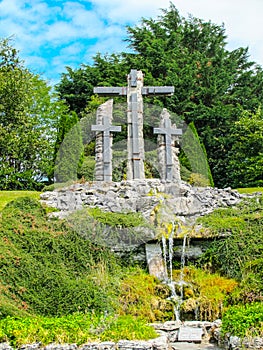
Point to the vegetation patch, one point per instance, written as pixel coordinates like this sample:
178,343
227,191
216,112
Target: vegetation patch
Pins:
8,196
77,328
204,293
244,320
128,219
128,327
250,190
144,296
47,268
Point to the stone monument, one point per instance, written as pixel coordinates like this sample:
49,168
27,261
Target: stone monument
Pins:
168,162
135,142
103,149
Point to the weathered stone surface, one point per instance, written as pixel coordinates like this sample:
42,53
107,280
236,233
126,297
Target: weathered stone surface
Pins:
160,343
141,196
103,149
55,346
32,346
155,199
168,149
98,346
5,346
167,326
155,262
135,141
235,343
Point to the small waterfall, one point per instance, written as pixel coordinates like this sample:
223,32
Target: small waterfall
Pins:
170,248
181,280
168,263
164,252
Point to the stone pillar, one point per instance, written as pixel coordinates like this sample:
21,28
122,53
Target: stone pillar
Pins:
135,141
103,149
99,167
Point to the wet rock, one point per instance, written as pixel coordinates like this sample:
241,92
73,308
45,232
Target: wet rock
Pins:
5,346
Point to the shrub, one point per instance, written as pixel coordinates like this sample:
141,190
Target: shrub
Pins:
48,268
128,327
143,296
244,320
240,229
199,180
87,169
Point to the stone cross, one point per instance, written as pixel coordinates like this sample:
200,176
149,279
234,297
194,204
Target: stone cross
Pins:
168,159
103,148
135,142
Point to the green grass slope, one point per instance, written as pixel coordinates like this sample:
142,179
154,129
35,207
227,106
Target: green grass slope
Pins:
8,196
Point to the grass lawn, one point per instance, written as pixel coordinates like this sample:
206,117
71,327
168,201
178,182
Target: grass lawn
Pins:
8,196
250,190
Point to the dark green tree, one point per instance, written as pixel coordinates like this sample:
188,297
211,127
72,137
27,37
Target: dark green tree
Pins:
245,167
213,86
69,156
28,123
76,87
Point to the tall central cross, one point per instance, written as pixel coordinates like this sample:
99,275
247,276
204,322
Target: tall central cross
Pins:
135,92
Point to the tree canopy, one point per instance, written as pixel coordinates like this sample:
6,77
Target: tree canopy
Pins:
28,123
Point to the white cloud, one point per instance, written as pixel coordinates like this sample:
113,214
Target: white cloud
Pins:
242,20
128,11
53,33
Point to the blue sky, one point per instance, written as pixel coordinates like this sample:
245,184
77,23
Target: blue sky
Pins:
52,34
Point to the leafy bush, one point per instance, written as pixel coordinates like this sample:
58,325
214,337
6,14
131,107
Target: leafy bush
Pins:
244,320
198,180
241,239
49,269
87,169
77,328
128,327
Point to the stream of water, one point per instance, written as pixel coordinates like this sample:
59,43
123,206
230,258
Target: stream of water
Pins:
177,299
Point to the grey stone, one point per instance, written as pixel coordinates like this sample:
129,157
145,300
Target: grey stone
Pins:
134,345
160,343
167,326
103,149
5,346
155,261
190,334
234,342
143,196
32,346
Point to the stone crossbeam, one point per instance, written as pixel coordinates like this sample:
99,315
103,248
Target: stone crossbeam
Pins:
146,90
